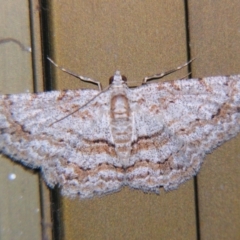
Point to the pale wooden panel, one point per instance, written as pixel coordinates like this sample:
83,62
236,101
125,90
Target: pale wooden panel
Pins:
215,38
94,38
20,213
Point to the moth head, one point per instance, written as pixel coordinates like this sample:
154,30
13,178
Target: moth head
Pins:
117,78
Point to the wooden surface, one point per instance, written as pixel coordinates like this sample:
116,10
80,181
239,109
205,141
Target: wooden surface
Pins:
23,208
139,38
215,41
94,38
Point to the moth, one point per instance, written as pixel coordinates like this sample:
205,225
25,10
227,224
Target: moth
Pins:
91,142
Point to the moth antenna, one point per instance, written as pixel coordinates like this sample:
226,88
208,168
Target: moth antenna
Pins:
161,75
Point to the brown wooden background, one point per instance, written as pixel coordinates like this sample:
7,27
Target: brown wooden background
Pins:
94,38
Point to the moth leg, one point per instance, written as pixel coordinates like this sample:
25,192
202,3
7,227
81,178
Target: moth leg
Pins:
161,75
23,47
85,79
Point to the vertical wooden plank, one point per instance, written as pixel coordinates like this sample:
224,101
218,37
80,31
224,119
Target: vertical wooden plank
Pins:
36,11
94,38
20,213
215,38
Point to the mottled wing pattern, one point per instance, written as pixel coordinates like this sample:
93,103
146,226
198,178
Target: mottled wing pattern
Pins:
173,125
177,123
75,152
